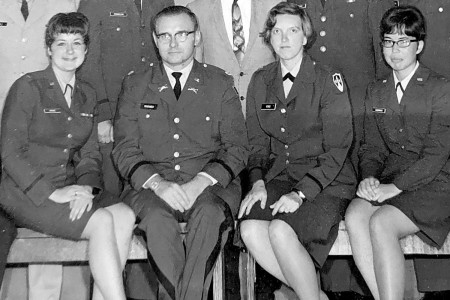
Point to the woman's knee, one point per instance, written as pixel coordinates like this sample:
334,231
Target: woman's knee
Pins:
249,230
357,216
122,214
280,231
101,222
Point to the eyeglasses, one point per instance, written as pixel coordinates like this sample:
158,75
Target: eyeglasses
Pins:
400,43
180,36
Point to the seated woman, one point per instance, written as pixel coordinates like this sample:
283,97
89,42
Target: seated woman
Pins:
300,130
404,159
51,180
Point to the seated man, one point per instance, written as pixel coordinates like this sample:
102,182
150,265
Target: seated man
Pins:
181,142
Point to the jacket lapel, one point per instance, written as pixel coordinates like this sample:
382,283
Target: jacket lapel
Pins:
414,89
254,30
274,83
54,94
37,11
193,87
221,29
11,9
302,87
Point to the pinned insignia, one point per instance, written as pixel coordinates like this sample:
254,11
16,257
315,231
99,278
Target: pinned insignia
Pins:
122,14
131,72
384,80
86,115
162,88
52,110
205,65
350,1
302,5
337,80
379,110
228,73
151,64
235,89
268,106
420,79
151,106
193,89
51,83
196,79
2,24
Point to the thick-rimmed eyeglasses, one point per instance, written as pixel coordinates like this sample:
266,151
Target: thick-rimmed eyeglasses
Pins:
400,43
180,36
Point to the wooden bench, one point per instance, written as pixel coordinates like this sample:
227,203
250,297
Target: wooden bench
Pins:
412,245
31,247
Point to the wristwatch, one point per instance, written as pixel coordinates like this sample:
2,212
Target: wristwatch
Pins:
154,183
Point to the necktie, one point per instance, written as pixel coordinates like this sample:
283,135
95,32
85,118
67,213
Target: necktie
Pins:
24,9
289,76
238,31
177,87
68,94
138,5
399,90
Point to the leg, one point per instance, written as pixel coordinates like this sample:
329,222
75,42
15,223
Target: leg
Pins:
387,226
209,223
357,223
292,257
255,234
104,259
44,281
8,233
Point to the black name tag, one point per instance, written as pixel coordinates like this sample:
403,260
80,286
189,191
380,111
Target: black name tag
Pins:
379,110
3,24
268,106
149,106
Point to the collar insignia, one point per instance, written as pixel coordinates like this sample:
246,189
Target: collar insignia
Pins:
162,88
193,89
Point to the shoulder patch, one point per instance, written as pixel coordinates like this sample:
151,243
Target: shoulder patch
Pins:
338,82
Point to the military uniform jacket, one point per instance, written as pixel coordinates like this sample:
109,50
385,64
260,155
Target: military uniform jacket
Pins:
306,135
435,55
45,144
204,131
121,41
408,144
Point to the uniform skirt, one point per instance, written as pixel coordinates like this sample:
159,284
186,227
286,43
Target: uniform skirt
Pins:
429,208
316,222
49,217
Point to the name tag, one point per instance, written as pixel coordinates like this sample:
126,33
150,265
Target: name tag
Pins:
122,14
268,106
379,110
86,115
149,106
52,110
3,24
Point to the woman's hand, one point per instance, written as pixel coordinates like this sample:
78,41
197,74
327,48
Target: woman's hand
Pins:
368,189
80,198
258,193
288,203
386,191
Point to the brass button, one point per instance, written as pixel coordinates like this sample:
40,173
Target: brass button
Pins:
176,136
177,167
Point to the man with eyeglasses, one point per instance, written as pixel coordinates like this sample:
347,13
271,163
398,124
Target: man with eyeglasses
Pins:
181,142
432,273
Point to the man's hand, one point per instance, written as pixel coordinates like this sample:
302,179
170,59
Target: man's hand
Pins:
367,189
195,187
173,195
287,203
105,132
387,191
257,193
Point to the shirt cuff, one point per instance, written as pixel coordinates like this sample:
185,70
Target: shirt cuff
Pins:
214,181
151,177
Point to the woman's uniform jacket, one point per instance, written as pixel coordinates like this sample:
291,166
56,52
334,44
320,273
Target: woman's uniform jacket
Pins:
202,131
45,144
408,144
306,135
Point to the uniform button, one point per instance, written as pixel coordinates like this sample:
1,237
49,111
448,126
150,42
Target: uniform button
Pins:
23,57
242,98
287,153
147,116
176,120
323,18
177,167
69,135
207,118
62,166
403,147
69,118
323,48
441,9
400,130
143,59
287,161
143,43
283,110
352,15
118,28
282,129
66,150
176,154
323,33
24,40
241,74
176,136
286,146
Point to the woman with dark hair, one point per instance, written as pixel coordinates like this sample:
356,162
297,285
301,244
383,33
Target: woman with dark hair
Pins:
404,159
300,130
51,180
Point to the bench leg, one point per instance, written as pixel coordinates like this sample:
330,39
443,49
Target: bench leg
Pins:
218,278
247,276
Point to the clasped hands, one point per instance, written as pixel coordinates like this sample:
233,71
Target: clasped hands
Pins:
287,203
182,197
79,196
372,190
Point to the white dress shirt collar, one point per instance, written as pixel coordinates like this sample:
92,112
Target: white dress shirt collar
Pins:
184,74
